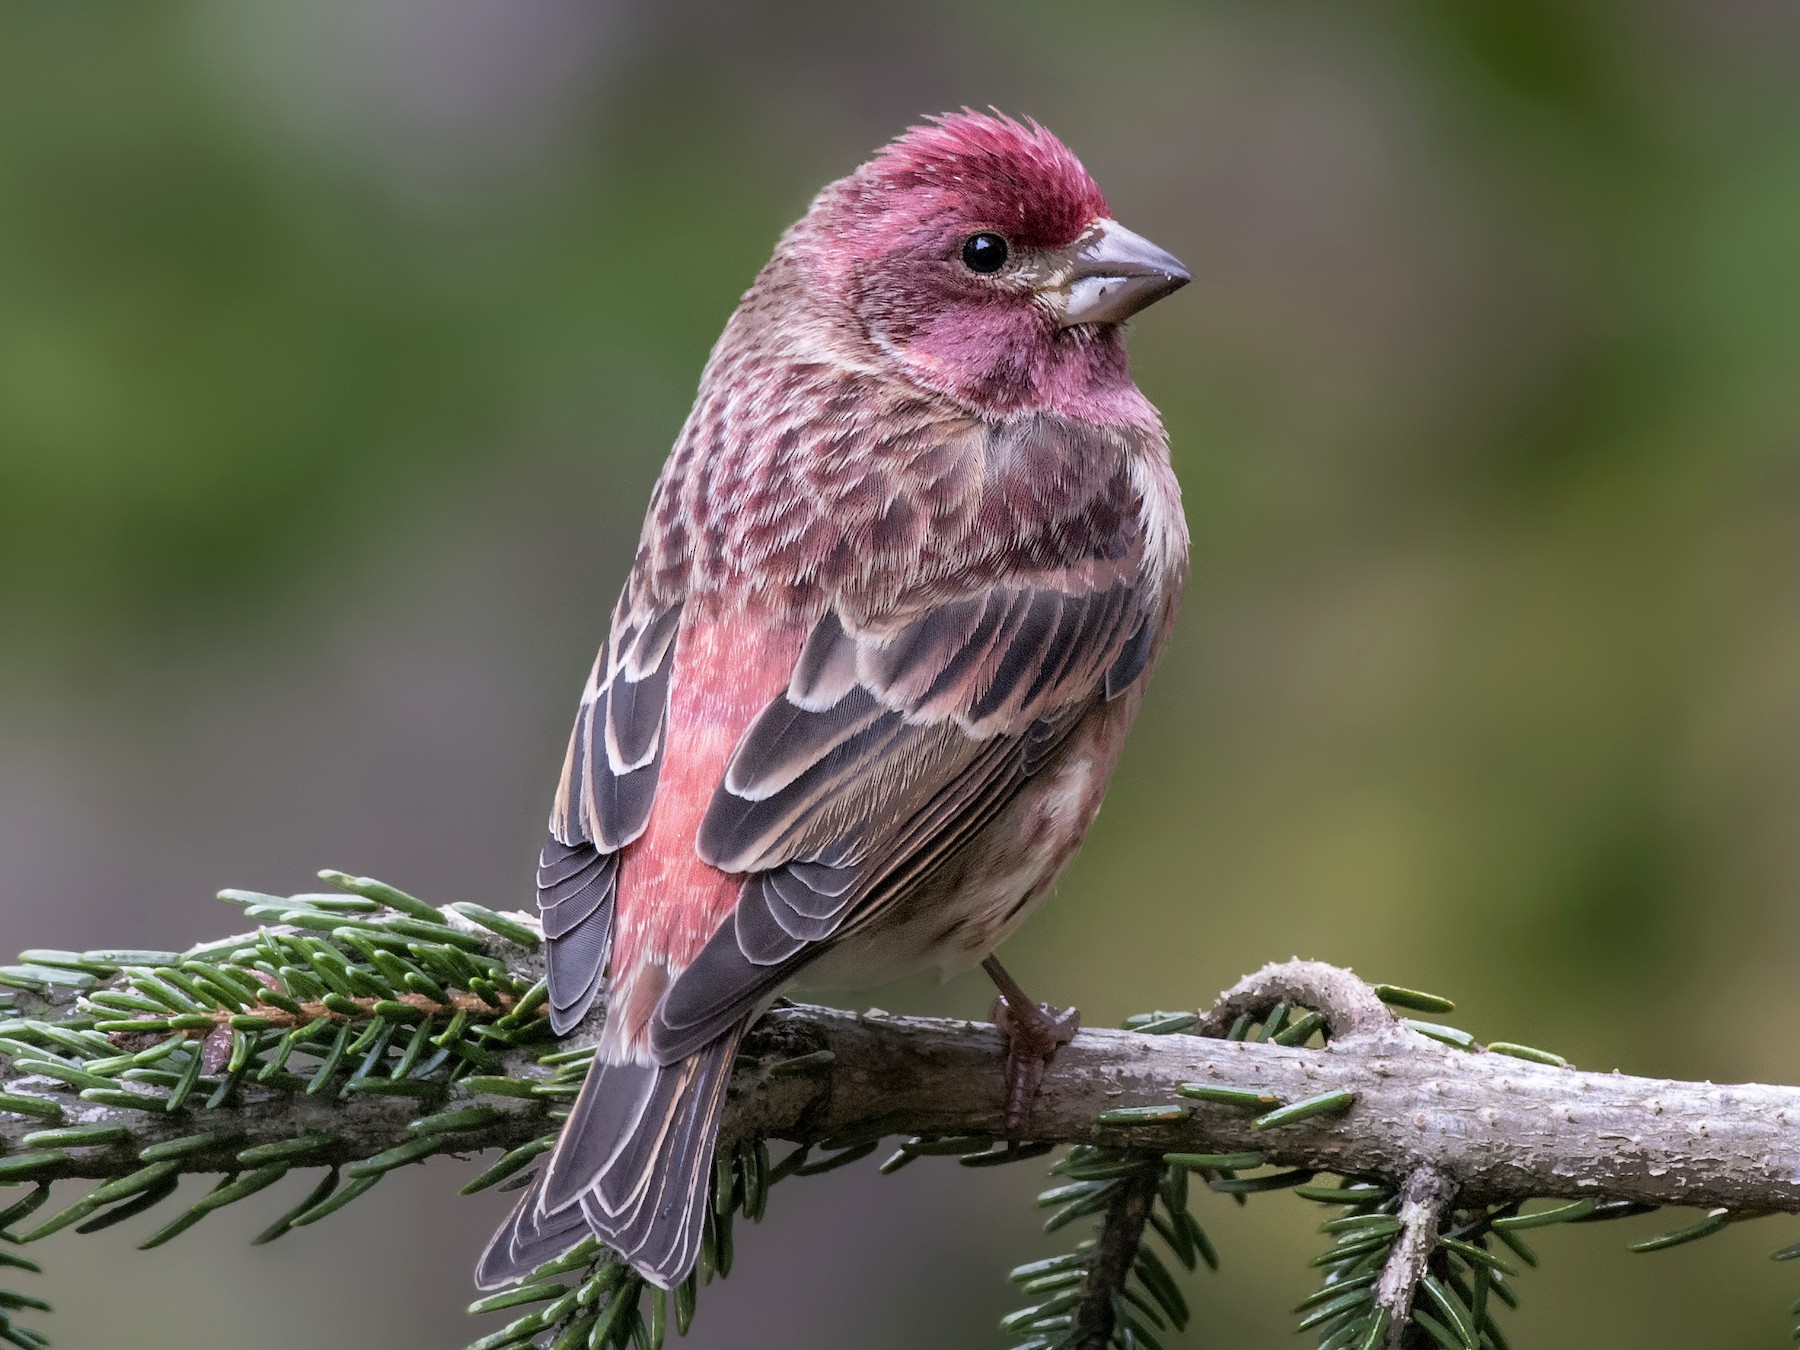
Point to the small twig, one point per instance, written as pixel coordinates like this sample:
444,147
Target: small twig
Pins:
1423,1203
1351,1009
1121,1236
280,1019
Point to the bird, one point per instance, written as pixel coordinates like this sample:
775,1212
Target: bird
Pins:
891,615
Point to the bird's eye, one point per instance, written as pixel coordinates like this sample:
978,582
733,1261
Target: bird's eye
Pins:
984,253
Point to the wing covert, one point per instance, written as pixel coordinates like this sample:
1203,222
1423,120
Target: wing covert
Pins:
889,751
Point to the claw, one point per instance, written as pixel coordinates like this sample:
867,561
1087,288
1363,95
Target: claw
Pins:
1034,1032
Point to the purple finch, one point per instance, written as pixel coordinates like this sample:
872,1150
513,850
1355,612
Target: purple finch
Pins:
889,623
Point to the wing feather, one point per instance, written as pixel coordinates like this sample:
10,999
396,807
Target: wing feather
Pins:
826,670
787,740
1021,658
603,802
752,833
723,979
639,692
888,753
1132,659
798,888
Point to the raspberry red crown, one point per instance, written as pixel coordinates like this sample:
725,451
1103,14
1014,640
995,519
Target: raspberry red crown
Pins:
993,170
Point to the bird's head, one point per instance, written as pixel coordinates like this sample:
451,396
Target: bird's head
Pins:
977,251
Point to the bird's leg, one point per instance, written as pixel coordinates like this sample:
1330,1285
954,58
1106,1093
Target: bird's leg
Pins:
1034,1032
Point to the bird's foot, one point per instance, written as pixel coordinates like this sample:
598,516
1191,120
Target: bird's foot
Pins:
1034,1032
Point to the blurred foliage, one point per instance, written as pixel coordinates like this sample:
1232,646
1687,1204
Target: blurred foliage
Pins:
1483,403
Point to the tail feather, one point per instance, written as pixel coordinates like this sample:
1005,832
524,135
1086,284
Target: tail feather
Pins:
617,1106
656,1193
632,1166
526,1240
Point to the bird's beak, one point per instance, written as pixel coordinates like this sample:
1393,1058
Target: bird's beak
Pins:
1114,274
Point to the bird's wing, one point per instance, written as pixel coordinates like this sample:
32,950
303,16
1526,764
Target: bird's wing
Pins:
891,748
603,800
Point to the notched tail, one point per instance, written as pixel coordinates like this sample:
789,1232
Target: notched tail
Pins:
633,1167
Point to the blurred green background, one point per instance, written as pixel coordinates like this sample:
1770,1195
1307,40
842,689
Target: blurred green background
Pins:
340,344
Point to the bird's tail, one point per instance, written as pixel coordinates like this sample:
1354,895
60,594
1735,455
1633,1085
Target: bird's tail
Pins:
632,1166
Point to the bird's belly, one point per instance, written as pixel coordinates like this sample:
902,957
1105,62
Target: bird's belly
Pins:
963,912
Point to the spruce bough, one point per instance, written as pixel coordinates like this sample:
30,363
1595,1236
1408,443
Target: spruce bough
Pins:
362,1030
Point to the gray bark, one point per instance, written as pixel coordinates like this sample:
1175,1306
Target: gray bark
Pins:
1493,1128
1424,1201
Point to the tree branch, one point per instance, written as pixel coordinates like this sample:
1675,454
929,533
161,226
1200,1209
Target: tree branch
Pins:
1494,1127
368,1031
1116,1251
1424,1201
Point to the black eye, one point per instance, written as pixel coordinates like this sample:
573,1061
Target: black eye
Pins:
984,253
